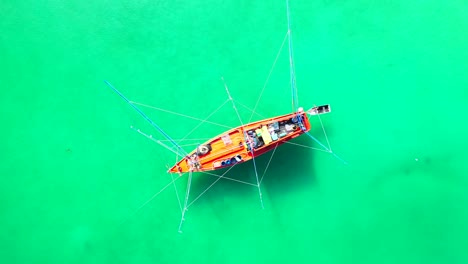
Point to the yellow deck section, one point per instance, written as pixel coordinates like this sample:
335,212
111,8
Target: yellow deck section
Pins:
266,135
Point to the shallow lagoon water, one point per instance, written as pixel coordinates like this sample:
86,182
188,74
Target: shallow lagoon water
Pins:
72,169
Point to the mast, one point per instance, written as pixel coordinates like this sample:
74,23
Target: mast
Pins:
292,73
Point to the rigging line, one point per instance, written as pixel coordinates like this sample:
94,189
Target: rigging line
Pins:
177,193
328,150
159,150
148,201
324,132
227,178
304,146
175,187
214,112
292,73
245,138
190,139
191,144
145,117
172,177
211,185
250,109
269,75
232,101
318,142
268,165
179,114
256,176
339,158
182,219
150,137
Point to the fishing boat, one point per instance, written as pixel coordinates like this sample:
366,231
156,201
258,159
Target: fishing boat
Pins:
245,142
240,144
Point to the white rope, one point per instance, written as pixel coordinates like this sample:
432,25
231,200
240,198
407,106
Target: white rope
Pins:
189,139
250,109
245,138
269,75
182,219
149,200
227,178
176,192
325,133
292,72
179,114
268,165
323,146
329,150
150,137
256,176
211,185
191,144
175,187
151,122
205,120
232,101
304,146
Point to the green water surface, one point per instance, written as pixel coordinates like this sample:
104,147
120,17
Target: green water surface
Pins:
73,172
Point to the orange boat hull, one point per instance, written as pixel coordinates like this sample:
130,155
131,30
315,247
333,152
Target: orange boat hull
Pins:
243,143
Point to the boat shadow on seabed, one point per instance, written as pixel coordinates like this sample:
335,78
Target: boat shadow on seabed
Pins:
289,169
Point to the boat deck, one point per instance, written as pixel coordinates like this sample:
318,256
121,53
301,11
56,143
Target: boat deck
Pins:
242,143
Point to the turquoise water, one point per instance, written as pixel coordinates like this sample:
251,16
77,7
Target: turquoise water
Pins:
72,169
